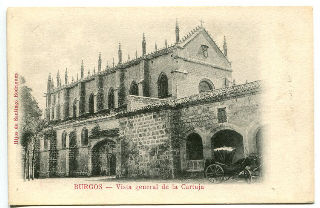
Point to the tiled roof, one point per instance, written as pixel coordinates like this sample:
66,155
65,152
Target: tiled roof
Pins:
205,97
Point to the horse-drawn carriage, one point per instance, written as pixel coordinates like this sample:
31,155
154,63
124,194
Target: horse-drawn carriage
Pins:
222,167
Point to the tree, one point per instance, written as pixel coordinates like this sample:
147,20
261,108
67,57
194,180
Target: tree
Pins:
31,125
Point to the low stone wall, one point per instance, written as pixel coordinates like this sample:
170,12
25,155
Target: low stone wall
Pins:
136,102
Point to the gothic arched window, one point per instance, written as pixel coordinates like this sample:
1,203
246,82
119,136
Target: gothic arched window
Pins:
134,88
91,104
205,86
163,86
72,139
64,140
74,108
111,99
84,137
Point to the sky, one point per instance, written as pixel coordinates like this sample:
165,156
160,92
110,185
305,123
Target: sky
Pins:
48,40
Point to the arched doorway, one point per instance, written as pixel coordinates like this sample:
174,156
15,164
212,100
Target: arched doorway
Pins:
163,86
104,158
194,147
73,154
194,152
229,138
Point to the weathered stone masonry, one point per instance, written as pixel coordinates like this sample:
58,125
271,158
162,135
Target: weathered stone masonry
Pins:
150,141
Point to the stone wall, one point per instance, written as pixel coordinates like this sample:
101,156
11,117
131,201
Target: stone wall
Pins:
151,134
136,102
146,145
243,114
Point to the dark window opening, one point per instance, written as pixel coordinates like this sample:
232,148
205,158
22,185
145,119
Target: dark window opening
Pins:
222,115
194,147
163,86
204,51
134,90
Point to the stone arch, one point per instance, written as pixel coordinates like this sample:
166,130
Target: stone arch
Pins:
205,85
194,147
103,157
134,90
111,98
226,126
252,132
91,103
163,86
101,139
228,138
192,163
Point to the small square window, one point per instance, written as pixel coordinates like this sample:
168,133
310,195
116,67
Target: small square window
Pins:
204,51
222,115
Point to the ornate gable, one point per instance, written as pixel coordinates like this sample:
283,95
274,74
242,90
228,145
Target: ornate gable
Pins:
198,45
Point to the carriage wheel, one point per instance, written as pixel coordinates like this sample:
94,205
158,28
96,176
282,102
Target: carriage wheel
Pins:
215,173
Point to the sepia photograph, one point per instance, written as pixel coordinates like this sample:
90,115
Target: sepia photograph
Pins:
167,101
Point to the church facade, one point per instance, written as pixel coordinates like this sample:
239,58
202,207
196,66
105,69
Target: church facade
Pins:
158,115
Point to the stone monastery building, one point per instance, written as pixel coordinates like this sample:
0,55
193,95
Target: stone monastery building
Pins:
157,115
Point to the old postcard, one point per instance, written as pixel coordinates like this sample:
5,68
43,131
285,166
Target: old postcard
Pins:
167,105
